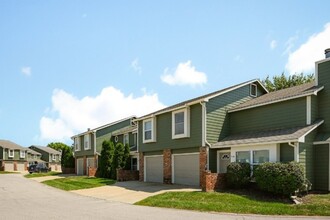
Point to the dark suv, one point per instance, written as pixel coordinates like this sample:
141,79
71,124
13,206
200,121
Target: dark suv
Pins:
38,168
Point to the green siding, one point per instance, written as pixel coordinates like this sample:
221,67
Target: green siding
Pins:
213,160
217,121
314,110
152,153
278,115
185,150
323,96
84,152
286,153
321,167
306,155
164,132
1,153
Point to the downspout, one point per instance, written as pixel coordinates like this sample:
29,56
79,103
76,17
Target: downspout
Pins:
204,141
296,150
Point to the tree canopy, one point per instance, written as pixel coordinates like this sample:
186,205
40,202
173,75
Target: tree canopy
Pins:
282,81
67,159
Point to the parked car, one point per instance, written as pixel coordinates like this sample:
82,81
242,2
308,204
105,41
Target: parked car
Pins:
38,168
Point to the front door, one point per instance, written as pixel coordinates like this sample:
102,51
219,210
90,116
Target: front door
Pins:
224,160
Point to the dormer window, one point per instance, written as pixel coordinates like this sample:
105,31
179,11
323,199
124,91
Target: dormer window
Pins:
180,123
253,90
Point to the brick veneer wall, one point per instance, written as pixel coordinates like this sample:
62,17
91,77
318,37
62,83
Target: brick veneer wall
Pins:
213,181
127,175
141,167
202,165
167,166
91,171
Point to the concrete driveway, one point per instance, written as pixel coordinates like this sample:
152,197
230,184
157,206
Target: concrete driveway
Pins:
131,191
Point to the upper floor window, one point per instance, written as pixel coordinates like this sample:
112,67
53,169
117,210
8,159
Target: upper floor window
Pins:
253,90
126,139
10,153
87,142
22,154
54,157
77,143
180,123
149,130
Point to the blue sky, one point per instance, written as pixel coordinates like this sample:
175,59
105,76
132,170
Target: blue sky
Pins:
66,66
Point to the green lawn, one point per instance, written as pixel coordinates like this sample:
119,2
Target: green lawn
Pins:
240,202
33,175
78,182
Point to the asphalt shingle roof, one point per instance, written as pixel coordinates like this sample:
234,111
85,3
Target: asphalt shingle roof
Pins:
269,136
280,95
10,145
47,149
32,151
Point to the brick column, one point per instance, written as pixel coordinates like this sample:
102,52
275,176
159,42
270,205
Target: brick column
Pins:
141,167
15,166
202,165
167,166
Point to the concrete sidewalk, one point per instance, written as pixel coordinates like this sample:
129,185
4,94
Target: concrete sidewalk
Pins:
131,191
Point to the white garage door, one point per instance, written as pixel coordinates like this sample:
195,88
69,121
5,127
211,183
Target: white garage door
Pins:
154,169
20,167
80,166
186,169
9,166
52,167
59,168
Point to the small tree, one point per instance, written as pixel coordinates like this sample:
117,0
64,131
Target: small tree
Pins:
105,161
120,156
283,82
67,159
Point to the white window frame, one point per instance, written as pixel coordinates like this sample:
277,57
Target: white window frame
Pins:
153,130
77,144
53,157
11,153
186,122
256,89
22,154
125,141
87,142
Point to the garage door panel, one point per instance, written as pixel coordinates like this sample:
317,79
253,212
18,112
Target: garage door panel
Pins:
80,167
9,166
186,169
20,167
154,169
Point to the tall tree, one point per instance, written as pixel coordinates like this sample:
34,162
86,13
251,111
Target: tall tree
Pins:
67,159
283,82
105,162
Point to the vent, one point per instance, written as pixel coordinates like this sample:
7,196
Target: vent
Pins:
327,53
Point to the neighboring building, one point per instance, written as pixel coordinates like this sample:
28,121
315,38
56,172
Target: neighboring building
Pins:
12,156
33,157
173,140
243,123
51,157
88,145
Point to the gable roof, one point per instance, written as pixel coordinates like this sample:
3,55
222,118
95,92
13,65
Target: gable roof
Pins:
30,151
104,126
201,98
10,145
294,134
46,149
279,96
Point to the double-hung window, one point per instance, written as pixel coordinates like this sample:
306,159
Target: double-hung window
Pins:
126,139
180,123
77,143
87,145
149,130
54,157
22,154
11,153
253,157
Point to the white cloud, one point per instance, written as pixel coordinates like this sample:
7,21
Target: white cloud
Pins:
289,44
303,59
185,74
26,70
273,44
136,66
70,115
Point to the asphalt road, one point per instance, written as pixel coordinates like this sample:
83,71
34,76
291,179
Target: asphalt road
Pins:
22,198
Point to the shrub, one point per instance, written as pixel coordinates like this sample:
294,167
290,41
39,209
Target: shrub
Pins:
238,174
280,178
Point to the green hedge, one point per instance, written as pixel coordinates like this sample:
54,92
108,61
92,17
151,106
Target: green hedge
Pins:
280,178
238,174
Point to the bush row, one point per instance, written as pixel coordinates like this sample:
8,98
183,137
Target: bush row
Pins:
277,178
